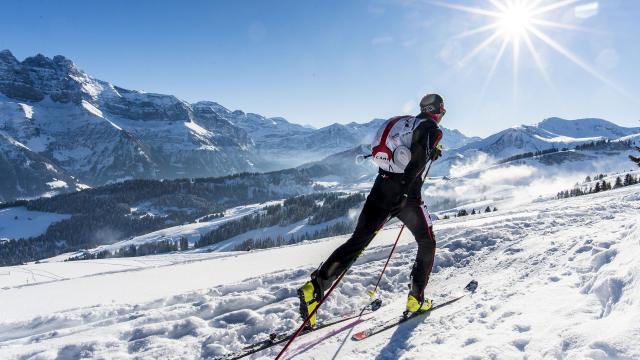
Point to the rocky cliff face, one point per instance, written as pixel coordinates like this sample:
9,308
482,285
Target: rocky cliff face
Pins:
101,133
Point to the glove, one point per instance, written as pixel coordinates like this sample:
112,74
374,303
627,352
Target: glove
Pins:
436,152
399,205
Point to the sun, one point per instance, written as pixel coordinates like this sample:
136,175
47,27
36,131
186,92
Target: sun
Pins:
515,20
518,22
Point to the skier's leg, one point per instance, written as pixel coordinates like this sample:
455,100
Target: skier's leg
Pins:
369,221
376,210
416,217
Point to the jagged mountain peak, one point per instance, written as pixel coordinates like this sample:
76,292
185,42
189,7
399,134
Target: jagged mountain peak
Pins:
7,57
58,62
210,107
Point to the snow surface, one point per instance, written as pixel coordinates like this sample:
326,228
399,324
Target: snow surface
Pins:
558,279
28,223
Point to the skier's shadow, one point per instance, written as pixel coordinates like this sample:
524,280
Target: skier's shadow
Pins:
398,342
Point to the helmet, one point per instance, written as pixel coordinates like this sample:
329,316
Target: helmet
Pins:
432,104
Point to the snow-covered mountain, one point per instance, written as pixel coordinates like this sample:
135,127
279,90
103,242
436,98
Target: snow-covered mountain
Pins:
101,133
287,144
94,133
25,173
550,133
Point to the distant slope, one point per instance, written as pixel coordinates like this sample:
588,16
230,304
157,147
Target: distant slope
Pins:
27,174
553,132
110,213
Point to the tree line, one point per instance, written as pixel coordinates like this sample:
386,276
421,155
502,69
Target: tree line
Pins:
112,212
600,185
339,228
604,144
317,208
465,212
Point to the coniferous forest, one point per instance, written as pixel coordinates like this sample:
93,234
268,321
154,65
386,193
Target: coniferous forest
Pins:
110,213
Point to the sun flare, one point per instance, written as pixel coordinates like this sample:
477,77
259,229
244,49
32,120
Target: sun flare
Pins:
521,22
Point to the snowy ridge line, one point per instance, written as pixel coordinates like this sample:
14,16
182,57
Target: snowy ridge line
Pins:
552,251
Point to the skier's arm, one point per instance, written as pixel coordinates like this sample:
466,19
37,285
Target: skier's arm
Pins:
425,138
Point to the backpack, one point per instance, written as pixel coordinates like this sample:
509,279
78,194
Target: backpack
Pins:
390,149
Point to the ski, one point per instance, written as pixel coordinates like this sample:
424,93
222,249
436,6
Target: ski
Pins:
335,331
376,329
275,339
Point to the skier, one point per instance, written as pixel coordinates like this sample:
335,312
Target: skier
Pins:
401,149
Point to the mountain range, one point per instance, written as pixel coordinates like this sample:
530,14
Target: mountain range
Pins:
62,130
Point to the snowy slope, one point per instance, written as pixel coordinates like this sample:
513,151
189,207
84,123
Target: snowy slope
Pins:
191,231
27,174
585,128
553,284
20,223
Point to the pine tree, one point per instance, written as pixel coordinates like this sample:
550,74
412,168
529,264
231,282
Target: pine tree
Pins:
628,180
618,182
488,209
473,211
184,243
636,160
495,209
597,188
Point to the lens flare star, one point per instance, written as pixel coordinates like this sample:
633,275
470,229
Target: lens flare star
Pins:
517,22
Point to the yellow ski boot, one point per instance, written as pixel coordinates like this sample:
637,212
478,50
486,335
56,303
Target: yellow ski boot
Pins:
415,305
309,295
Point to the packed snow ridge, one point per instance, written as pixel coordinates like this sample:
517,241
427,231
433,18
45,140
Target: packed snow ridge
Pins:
558,279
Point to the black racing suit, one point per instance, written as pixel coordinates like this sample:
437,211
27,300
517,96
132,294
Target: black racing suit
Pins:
387,192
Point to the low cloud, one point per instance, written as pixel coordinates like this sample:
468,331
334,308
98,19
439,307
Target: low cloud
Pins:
479,179
465,167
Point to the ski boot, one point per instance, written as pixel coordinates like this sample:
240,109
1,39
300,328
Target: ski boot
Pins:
309,295
415,305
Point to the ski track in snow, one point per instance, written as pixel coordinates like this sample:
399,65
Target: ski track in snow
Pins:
558,279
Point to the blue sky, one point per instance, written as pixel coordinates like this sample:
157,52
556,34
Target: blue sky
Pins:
319,62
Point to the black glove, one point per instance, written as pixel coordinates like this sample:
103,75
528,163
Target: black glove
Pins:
436,152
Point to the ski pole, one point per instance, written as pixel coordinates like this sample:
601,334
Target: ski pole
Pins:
313,312
385,264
